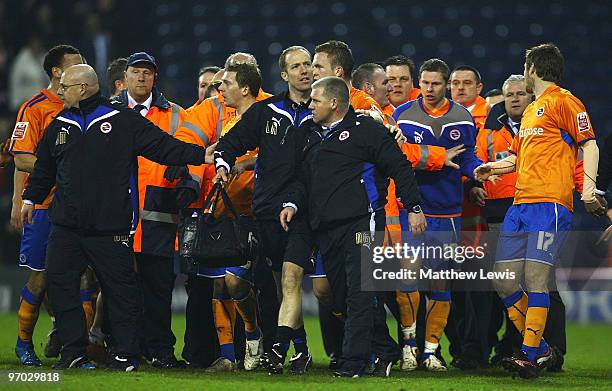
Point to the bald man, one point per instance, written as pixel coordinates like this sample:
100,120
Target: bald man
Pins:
88,153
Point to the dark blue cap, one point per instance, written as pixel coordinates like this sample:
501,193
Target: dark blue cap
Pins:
141,57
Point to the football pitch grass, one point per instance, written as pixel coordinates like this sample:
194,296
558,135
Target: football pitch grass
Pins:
588,366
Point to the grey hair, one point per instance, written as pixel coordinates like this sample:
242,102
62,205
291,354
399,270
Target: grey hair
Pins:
512,79
334,88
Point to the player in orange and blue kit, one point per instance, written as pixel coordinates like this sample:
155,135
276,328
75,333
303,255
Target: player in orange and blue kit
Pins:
435,120
33,118
553,127
232,288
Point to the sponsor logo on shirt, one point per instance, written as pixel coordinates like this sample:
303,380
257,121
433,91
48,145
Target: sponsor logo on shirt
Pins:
20,130
344,135
583,122
531,132
540,111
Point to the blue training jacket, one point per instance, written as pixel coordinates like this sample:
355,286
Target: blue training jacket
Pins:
441,191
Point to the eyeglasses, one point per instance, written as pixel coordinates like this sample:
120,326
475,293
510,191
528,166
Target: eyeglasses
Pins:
64,87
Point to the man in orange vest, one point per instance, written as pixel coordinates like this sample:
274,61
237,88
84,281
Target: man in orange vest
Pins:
205,79
400,71
465,87
162,192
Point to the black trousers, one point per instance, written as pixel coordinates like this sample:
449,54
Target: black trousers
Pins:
332,328
156,275
267,299
332,331
482,319
113,262
365,328
201,344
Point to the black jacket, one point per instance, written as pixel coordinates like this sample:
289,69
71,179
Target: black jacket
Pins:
89,154
344,173
279,127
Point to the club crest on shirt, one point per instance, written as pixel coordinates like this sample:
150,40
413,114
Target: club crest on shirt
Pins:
106,127
20,130
540,111
344,135
454,134
583,121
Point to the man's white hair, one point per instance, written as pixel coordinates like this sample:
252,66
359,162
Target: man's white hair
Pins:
512,79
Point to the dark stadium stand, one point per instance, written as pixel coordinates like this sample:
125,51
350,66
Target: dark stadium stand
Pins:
185,35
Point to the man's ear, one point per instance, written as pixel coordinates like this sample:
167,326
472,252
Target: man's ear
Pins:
245,91
339,72
56,72
284,76
119,85
334,104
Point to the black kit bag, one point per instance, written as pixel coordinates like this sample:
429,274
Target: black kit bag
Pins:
230,240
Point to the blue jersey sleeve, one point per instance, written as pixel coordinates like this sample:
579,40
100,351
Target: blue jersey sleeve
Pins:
468,161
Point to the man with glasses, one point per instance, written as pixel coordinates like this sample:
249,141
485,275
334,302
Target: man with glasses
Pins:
33,118
88,151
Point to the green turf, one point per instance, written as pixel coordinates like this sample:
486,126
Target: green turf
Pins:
588,366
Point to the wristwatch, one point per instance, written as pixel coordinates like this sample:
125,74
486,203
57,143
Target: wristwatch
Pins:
416,209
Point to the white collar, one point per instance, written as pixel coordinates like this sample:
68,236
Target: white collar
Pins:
513,124
147,103
333,125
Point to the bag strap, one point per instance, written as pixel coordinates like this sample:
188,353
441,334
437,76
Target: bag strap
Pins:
212,197
214,192
228,202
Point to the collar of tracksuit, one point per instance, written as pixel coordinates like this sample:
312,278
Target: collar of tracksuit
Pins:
87,106
159,100
349,120
295,105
